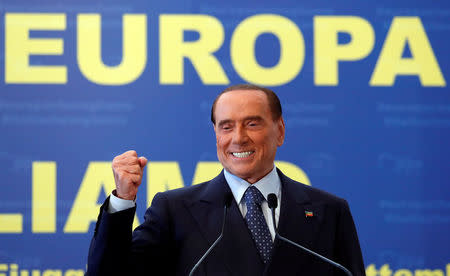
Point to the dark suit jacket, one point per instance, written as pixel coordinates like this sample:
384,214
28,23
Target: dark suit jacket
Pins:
181,225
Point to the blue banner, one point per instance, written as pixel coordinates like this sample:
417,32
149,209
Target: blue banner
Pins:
364,89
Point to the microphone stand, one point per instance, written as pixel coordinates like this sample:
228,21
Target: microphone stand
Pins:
273,205
225,208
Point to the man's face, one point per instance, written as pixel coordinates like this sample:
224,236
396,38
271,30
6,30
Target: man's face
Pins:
246,135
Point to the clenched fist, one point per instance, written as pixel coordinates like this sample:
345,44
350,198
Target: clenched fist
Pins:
128,169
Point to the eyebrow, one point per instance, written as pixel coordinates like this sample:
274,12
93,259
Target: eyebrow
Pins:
253,118
223,122
248,118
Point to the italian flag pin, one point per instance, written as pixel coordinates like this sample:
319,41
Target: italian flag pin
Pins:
309,214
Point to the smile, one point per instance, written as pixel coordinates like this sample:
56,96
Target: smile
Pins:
242,154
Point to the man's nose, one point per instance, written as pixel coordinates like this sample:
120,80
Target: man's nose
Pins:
240,136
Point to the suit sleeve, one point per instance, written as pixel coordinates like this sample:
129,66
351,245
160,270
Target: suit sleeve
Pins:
116,250
347,250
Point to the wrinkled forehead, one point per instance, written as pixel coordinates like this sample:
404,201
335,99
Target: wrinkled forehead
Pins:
242,99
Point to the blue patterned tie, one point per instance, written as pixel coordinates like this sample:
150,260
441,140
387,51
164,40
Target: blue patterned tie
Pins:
256,222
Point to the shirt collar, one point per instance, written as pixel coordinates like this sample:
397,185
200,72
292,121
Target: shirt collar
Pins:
268,184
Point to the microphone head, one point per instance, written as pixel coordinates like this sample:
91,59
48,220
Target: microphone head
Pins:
227,200
272,201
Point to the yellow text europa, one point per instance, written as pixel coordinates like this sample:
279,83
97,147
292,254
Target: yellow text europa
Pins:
175,51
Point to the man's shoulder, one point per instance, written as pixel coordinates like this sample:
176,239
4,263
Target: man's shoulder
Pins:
313,194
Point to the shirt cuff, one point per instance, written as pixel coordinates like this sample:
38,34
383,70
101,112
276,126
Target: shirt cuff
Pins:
117,204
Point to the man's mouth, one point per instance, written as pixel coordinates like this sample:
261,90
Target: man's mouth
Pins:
242,154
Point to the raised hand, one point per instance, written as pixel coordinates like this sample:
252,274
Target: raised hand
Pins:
128,169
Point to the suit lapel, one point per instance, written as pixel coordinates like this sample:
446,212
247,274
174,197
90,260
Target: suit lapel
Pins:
299,217
236,248
294,224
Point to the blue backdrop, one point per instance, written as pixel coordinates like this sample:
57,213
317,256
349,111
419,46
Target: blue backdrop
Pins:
363,86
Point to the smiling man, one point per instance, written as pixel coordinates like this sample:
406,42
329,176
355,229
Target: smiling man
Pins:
248,131
182,224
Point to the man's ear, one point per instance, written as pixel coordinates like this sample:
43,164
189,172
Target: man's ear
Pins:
282,131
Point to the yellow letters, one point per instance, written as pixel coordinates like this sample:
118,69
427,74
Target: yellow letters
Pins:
428,272
52,272
327,51
19,46
43,211
293,171
292,49
371,271
403,272
74,272
423,63
206,171
85,208
89,47
11,223
162,176
173,49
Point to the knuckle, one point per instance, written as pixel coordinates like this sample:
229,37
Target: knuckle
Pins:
132,161
115,160
131,153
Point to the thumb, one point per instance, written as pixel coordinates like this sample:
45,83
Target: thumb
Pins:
142,161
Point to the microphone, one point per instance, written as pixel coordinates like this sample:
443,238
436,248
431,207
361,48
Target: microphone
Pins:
226,204
273,204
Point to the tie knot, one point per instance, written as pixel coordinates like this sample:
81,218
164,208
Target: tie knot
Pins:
253,196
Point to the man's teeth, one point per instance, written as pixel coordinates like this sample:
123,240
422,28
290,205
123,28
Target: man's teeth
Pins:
242,154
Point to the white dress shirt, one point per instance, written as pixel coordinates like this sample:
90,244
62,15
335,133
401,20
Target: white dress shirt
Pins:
117,204
268,184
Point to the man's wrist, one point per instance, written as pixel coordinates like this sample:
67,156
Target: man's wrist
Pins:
115,193
117,204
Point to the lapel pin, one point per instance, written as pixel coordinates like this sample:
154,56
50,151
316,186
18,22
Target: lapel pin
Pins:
309,214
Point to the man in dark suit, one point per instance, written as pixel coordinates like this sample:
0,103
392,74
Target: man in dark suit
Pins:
182,224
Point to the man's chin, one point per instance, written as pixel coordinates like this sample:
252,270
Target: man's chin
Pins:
239,173
243,173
